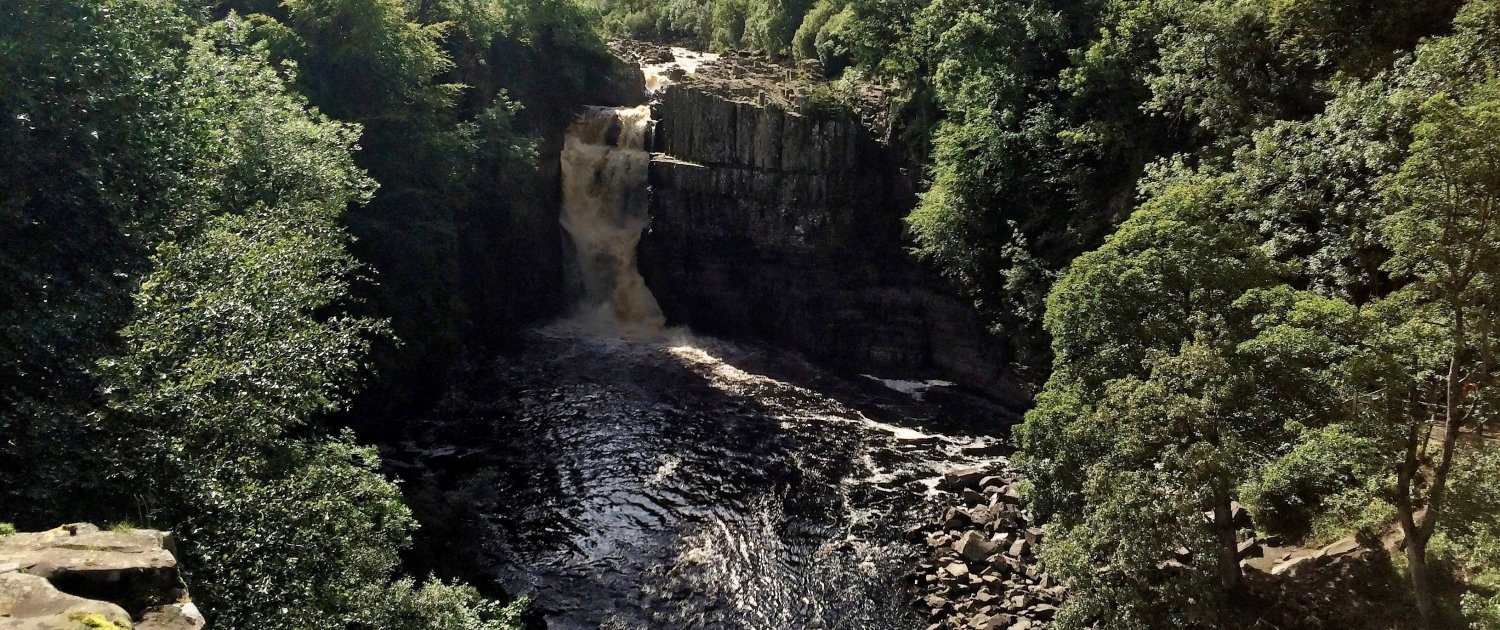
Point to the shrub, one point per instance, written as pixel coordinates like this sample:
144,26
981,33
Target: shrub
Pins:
1325,483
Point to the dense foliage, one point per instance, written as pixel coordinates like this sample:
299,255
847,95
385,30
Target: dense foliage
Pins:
211,215
1332,389
1246,249
1250,246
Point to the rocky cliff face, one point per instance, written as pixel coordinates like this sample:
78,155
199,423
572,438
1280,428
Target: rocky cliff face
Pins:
77,576
788,227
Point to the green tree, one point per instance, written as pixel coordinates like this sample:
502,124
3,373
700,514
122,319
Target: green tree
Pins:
1471,533
1323,363
214,273
1444,235
1178,441
90,168
1149,418
995,160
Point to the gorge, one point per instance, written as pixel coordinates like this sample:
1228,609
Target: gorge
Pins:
940,314
629,475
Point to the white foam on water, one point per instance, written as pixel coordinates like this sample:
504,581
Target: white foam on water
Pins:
605,209
659,75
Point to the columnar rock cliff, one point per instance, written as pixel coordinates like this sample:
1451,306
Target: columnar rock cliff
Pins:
788,227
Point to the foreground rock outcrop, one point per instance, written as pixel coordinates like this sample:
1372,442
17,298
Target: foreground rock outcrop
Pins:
784,222
77,576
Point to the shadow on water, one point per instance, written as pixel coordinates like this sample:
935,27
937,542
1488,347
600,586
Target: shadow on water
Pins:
683,483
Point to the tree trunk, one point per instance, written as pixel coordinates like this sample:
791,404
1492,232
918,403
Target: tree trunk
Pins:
1421,581
1453,423
1229,562
1416,542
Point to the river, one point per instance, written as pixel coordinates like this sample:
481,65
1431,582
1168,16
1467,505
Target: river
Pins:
686,482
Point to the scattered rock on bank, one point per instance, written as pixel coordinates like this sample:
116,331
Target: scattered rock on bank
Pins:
77,576
980,571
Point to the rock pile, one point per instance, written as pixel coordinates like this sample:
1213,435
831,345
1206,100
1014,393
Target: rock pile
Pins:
981,570
77,576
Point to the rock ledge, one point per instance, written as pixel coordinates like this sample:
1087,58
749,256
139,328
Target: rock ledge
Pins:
78,576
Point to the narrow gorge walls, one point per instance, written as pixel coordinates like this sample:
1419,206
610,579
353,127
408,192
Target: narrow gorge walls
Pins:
788,227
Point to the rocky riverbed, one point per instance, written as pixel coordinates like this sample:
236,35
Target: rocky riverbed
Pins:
980,570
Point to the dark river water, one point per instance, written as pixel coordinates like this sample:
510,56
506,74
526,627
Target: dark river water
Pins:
686,482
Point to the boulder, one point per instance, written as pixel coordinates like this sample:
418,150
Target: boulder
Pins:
973,547
1340,548
983,515
1008,515
813,68
999,621
972,498
939,539
31,602
955,518
958,570
961,478
1250,548
1237,515
172,617
1018,549
1291,566
132,568
983,621
97,576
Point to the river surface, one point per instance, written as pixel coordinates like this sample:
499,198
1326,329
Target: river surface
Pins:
685,482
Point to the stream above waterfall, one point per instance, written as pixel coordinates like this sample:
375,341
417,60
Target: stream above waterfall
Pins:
687,482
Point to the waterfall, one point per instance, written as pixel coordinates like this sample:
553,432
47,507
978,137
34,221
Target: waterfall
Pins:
604,210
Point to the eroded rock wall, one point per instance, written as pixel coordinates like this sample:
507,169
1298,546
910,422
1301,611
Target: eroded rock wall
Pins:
788,227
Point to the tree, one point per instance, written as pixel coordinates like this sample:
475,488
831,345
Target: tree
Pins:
1444,234
985,219
1179,441
178,245
91,164
1323,364
1471,533
1149,418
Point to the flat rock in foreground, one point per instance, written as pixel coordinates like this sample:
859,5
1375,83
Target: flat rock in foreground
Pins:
78,576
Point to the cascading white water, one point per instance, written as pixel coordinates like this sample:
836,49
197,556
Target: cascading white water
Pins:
605,209
684,62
